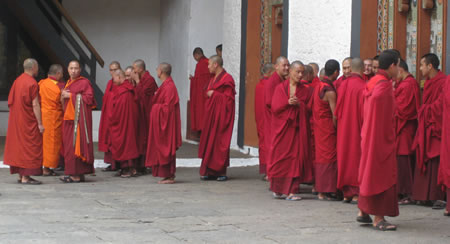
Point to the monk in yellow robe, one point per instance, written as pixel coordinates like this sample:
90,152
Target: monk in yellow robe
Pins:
52,115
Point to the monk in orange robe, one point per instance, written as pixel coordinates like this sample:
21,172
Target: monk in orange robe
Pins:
23,149
78,101
52,116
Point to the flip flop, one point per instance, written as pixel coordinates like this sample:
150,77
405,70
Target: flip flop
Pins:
222,178
293,198
439,205
68,179
31,182
366,219
347,200
383,225
278,196
50,173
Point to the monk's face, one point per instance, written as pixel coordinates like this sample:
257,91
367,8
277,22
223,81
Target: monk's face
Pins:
118,79
393,70
138,70
74,70
212,66
282,68
375,65
346,68
128,74
425,68
367,66
197,57
401,74
113,68
158,72
296,73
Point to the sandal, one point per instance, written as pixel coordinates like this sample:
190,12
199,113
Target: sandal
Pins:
439,205
222,178
107,169
406,201
347,200
31,181
68,179
293,198
50,173
167,181
383,225
365,219
278,196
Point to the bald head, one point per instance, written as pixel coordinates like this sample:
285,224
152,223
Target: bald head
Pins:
357,65
217,59
315,67
268,69
308,74
139,67
322,73
282,66
118,77
29,63
346,66
215,64
296,71
280,60
165,68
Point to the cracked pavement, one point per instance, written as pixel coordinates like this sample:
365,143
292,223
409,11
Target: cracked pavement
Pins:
109,209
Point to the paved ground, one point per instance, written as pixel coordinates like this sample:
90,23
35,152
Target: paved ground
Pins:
108,209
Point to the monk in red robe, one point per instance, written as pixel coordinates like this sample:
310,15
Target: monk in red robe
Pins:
444,166
145,89
290,147
165,128
199,82
23,148
346,72
128,73
104,132
427,142
123,125
375,65
280,74
323,106
407,99
214,148
268,69
378,167
52,117
78,101
349,115
368,73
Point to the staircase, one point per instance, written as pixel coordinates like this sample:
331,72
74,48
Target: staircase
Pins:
53,30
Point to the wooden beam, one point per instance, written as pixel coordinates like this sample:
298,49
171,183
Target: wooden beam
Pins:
369,26
400,20
423,35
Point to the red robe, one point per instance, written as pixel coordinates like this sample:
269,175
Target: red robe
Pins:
366,78
259,119
378,167
427,141
104,134
79,160
124,123
339,81
144,94
349,114
325,169
23,148
269,88
290,148
198,96
165,131
444,167
214,148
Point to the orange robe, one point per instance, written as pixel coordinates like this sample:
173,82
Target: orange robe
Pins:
23,149
52,116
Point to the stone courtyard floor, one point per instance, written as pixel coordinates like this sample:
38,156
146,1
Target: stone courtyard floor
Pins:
109,209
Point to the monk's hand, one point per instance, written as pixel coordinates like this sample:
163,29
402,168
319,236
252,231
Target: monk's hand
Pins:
41,128
293,101
209,93
191,77
65,94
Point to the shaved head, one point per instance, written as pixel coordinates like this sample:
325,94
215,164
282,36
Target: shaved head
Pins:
268,68
29,63
120,73
55,69
315,67
166,68
140,64
295,64
217,59
116,63
280,60
357,65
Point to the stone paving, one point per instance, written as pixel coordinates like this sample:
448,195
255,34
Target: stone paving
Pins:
109,209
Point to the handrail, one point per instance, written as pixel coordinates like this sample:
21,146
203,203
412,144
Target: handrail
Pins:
80,34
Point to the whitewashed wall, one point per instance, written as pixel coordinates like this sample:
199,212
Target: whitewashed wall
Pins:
319,30
232,50
119,30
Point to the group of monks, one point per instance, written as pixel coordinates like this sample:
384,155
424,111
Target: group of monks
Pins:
367,137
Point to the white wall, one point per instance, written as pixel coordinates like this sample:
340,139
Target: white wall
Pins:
119,30
232,50
319,30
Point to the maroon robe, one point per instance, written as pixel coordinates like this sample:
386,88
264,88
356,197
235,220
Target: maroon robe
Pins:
366,78
325,168
427,141
407,99
76,165
378,168
104,132
349,115
444,167
259,119
214,148
165,131
290,148
337,83
198,96
144,94
124,124
269,88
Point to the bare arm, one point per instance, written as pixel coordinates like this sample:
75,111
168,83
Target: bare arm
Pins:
330,97
37,113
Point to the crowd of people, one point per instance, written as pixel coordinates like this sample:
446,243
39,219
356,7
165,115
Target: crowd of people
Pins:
367,137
